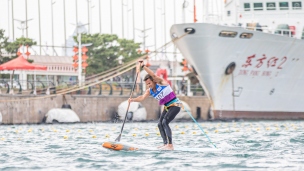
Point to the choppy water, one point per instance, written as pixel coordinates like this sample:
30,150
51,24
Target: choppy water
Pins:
264,145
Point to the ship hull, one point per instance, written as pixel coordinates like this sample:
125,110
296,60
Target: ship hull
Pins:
268,78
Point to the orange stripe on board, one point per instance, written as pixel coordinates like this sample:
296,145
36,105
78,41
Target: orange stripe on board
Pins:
112,146
117,146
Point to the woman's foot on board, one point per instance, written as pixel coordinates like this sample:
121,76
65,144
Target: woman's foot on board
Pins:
168,147
161,146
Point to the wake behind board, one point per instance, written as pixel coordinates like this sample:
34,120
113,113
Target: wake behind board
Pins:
119,146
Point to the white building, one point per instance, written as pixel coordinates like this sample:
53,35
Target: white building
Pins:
59,71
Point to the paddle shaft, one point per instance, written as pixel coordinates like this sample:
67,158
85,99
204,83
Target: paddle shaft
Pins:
118,138
200,127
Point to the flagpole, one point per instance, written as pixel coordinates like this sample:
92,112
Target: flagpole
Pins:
39,26
64,20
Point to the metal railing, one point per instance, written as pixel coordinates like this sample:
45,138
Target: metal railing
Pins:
283,32
108,88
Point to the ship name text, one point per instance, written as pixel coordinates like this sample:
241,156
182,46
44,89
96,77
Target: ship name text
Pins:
253,64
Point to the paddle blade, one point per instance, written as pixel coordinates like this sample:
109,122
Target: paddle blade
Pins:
118,138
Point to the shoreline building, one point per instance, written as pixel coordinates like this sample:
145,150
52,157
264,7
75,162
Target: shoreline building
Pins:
60,71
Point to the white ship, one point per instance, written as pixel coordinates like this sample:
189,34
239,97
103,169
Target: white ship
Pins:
252,69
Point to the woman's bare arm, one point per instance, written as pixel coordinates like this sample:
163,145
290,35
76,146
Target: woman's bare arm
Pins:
154,77
140,98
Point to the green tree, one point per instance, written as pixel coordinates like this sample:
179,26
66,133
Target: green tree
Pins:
105,51
3,43
12,47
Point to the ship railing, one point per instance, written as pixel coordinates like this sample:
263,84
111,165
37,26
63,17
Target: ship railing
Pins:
283,32
257,14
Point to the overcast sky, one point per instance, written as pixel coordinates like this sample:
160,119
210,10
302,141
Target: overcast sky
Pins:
99,15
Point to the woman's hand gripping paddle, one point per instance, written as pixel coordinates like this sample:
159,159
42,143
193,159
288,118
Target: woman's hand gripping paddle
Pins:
137,72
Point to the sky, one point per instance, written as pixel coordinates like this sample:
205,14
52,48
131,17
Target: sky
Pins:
98,14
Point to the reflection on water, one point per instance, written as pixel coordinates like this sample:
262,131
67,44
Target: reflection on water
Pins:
241,146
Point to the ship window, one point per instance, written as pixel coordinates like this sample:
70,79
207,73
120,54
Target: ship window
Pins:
258,6
296,5
228,34
283,5
271,5
246,6
246,35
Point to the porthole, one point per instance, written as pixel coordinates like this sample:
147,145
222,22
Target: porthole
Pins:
230,68
189,30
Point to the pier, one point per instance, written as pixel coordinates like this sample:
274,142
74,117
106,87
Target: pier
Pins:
89,108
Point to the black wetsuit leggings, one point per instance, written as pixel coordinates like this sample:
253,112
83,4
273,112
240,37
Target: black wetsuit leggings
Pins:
163,123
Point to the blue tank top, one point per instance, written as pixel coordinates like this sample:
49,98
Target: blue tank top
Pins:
164,94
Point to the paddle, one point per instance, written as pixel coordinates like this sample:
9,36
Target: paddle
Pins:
200,127
137,72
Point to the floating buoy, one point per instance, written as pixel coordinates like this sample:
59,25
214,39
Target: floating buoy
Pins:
182,132
94,136
194,132
134,135
107,136
216,131
158,133
57,115
147,134
67,130
65,137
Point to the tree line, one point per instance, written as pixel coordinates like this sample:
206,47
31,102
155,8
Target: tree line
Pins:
107,50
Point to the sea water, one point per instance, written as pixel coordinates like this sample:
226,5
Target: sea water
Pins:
247,145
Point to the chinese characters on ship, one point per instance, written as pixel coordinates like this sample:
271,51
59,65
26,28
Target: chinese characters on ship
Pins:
262,66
